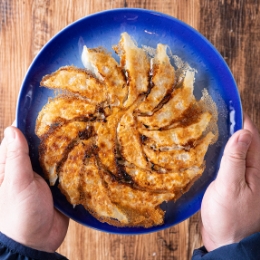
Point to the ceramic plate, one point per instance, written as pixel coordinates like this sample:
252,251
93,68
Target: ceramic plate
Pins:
147,28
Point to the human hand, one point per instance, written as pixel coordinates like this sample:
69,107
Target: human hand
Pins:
231,207
27,214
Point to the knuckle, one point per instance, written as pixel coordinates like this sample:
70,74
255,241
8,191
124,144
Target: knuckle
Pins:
238,186
13,154
236,157
1,179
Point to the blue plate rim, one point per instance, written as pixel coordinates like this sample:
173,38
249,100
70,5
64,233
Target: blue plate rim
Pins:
151,12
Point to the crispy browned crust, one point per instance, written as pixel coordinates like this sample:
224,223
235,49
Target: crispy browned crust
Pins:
77,81
163,80
62,109
136,64
106,156
111,74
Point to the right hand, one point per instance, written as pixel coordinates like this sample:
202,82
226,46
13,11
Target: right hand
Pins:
231,205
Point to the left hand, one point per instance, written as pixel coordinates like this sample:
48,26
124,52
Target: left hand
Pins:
27,213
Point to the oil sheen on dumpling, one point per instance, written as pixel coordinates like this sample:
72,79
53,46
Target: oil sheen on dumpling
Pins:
129,140
56,144
61,109
163,78
108,71
122,137
179,135
137,66
77,81
81,182
181,99
177,159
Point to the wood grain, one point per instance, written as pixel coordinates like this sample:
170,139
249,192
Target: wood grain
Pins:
233,26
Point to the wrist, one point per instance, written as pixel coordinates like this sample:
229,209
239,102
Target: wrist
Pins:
15,249
212,242
43,247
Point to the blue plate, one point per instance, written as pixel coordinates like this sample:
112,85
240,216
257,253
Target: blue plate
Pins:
147,28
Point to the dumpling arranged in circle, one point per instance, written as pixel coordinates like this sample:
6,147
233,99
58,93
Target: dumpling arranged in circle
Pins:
123,137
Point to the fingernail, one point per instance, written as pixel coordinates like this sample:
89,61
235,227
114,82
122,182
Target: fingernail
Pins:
245,139
9,134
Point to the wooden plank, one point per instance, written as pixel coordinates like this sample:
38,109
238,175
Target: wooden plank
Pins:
13,56
177,242
232,26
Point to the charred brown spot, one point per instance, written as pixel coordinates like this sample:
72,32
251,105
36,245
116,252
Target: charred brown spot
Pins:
65,154
110,168
122,175
166,99
143,138
190,116
90,151
101,110
86,134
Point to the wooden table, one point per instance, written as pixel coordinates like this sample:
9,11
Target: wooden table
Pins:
233,26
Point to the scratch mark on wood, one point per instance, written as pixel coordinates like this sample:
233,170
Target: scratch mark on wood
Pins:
41,25
231,25
168,245
6,13
173,232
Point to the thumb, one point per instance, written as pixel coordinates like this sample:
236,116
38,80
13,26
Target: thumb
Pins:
233,164
18,168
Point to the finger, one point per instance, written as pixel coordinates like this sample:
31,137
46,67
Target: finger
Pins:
3,156
2,160
18,168
14,123
253,159
233,164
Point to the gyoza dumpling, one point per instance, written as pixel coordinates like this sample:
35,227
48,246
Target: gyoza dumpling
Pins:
61,109
129,140
77,81
56,145
178,159
179,135
80,181
107,70
163,78
107,141
141,206
181,99
137,66
170,181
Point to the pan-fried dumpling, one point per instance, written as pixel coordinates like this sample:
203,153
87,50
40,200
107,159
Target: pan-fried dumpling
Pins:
56,144
137,66
62,109
80,181
124,138
77,81
170,181
108,71
179,135
181,99
178,158
163,78
107,141
129,140
142,206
